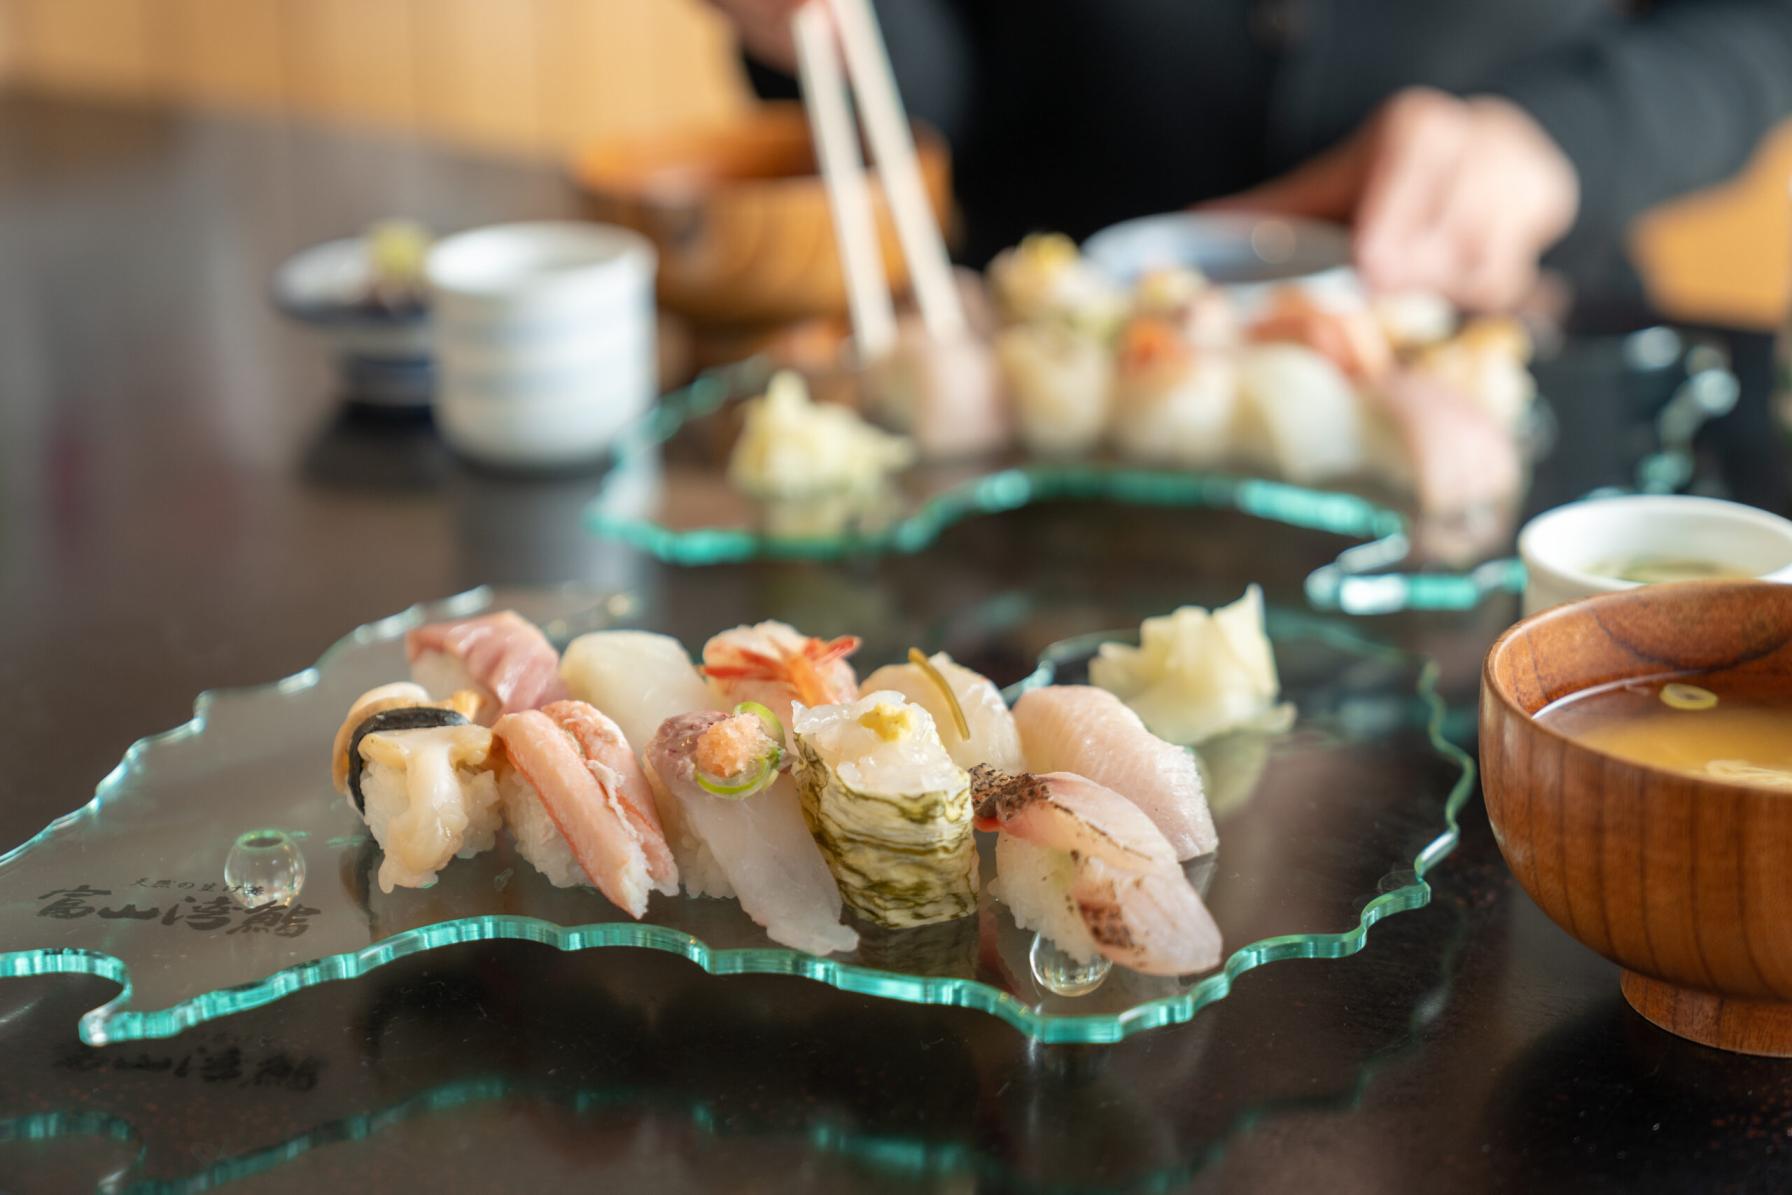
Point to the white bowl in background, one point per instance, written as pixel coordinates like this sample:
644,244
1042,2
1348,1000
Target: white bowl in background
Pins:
1561,547
1251,254
544,338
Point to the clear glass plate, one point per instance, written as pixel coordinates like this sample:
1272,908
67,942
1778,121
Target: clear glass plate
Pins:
669,496
1325,830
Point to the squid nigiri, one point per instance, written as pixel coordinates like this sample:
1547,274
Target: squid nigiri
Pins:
773,664
420,776
638,678
720,770
1091,732
501,656
579,806
1083,866
948,690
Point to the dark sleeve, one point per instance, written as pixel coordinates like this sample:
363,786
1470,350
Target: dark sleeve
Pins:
1659,104
930,53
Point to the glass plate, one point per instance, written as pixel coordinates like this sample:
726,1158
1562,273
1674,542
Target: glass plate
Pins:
1325,830
669,496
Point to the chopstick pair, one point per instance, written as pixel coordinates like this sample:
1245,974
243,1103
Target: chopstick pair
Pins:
829,106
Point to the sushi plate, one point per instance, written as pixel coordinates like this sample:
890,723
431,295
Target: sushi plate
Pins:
667,494
157,882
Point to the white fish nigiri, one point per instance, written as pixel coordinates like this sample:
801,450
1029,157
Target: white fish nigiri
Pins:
1300,413
1060,380
759,842
993,739
1086,868
502,656
638,678
641,679
579,806
1091,732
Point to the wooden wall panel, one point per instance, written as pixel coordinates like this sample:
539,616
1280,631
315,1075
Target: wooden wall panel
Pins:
90,45
354,60
223,52
478,71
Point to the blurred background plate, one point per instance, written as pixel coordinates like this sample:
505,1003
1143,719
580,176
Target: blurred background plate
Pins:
1243,251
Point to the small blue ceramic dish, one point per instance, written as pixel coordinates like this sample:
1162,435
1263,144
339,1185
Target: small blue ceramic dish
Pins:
1246,252
382,353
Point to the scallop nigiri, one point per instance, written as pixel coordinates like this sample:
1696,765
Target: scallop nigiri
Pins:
1083,866
1091,732
501,656
420,776
720,770
946,690
775,664
579,806
638,678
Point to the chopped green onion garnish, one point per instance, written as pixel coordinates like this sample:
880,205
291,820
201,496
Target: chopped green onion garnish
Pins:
768,769
933,674
774,729
1687,697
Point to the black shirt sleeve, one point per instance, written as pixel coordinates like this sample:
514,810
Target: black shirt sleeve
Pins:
1659,104
930,54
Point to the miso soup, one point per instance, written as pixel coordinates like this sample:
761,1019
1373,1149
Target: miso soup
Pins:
1739,731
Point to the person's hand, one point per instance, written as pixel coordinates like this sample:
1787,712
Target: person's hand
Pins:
1457,196
763,27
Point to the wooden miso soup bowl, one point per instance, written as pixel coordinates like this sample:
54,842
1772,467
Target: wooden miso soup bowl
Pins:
1684,882
738,214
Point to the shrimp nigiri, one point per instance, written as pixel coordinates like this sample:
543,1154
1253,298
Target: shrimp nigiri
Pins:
579,806
1089,731
501,656
773,664
1347,334
1083,866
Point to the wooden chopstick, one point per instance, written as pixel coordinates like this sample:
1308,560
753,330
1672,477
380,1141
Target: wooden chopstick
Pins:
843,174
874,86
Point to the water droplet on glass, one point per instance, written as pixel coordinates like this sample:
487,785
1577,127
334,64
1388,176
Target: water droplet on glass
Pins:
1062,975
264,867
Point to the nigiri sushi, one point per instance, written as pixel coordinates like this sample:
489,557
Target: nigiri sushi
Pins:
399,695
1045,278
1091,732
1344,331
945,395
720,770
421,778
889,809
1451,453
774,664
1196,674
990,735
502,656
1202,312
1486,362
1173,403
1083,866
579,806
1299,415
638,678
1060,381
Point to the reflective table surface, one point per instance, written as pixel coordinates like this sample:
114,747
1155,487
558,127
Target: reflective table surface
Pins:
187,505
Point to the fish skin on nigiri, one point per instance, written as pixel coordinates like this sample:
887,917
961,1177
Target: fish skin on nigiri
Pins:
1091,732
502,656
1083,866
993,739
579,806
759,842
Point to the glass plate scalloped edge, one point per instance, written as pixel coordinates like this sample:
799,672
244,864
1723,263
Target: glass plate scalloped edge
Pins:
1363,579
1402,889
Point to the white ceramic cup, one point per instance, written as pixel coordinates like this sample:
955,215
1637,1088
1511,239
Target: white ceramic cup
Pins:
1562,548
544,339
